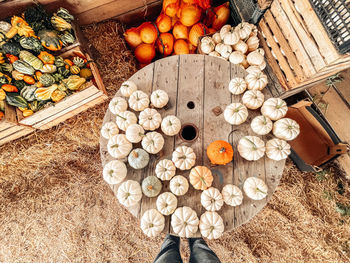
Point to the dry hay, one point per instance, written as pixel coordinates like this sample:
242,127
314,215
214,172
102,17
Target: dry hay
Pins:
55,207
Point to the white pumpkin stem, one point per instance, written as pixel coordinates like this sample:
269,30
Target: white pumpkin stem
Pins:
252,143
135,154
258,190
121,117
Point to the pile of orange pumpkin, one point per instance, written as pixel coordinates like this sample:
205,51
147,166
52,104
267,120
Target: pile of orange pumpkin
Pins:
177,29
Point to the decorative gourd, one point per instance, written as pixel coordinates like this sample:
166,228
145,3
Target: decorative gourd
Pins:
220,152
45,93
48,68
211,225
31,43
64,13
165,169
252,69
244,29
232,195
286,129
23,67
166,203
159,98
29,80
134,133
231,37
277,149
138,100
9,88
237,86
171,125
114,172
47,79
138,158
261,125
60,24
20,27
4,79
85,73
12,48
151,186
224,50
241,46
27,112
117,105
217,38
152,223
32,60
255,188
59,61
118,146
251,148
236,113
58,77
224,30
201,177
78,62
253,43
179,185
207,45
73,82
211,199
67,38
109,129
129,193
16,100
5,27
256,80
127,88
184,222
63,71
36,105
274,108
17,75
255,58
2,97
184,157
152,142
6,67
50,40
124,119
74,69
253,99
150,119
236,57
46,57
58,95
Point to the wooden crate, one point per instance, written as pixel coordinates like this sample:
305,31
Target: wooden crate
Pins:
9,128
80,101
297,46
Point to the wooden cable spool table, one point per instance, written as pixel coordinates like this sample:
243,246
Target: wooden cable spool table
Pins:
197,86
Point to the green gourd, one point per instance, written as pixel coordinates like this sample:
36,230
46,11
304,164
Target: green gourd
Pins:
151,186
59,61
16,100
138,158
23,67
36,105
20,84
5,27
78,62
73,82
31,43
28,93
32,60
12,48
2,39
62,12
50,39
58,77
60,24
63,71
67,38
47,79
6,67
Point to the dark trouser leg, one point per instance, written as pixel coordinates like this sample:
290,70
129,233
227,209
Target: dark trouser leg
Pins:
169,252
200,252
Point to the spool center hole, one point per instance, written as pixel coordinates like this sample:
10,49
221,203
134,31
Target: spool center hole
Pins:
189,133
190,105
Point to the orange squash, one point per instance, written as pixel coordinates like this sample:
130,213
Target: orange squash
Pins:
144,53
181,47
165,44
180,31
46,57
222,14
132,37
28,80
163,23
148,33
170,7
38,74
220,152
201,177
68,62
23,29
196,31
9,88
11,58
190,15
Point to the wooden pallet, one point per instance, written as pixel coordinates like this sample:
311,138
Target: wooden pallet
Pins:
50,116
297,46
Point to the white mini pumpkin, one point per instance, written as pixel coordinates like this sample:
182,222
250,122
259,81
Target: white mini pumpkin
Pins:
138,158
244,29
253,43
253,99
211,199
236,113
255,58
286,129
125,119
152,142
236,57
152,223
129,193
165,169
171,125
237,86
255,188
207,45
277,149
256,80
166,203
138,100
224,50
134,133
274,108
232,195
211,225
184,221
150,119
251,148
118,104
179,185
109,129
231,37
159,98
217,38
184,157
252,69
241,46
225,29
261,125
214,54
118,146
114,172
127,88
262,66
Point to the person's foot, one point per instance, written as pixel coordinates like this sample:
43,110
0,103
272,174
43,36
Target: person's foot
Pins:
171,240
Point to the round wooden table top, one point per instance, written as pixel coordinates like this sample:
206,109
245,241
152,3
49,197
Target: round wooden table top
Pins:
197,86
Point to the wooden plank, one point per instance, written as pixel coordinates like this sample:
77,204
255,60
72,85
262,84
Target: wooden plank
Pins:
9,119
284,65
293,39
264,4
273,85
292,60
344,162
19,132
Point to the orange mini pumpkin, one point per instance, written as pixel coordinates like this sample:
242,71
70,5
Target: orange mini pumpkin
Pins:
165,44
220,152
201,177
